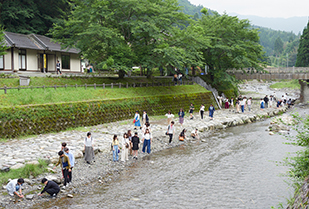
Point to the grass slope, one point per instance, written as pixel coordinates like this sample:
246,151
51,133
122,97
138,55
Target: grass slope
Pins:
41,96
291,84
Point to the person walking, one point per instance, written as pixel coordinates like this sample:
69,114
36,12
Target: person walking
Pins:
271,99
147,142
226,105
242,105
136,121
249,103
202,109
88,148
125,148
135,145
191,111
130,143
65,165
58,67
72,161
238,105
115,145
232,102
14,187
169,116
145,118
181,115
211,111
266,101
170,131
262,104
51,188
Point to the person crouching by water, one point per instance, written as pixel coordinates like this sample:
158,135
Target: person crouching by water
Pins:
14,187
51,188
125,148
211,111
66,166
194,134
115,145
88,148
147,141
182,135
135,145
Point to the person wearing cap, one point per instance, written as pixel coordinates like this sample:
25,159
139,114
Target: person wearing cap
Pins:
72,161
51,188
14,187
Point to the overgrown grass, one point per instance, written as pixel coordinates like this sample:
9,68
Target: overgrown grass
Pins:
51,81
292,84
43,96
25,172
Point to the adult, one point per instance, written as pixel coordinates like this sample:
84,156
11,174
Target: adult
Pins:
266,101
180,78
72,161
194,133
175,79
220,100
145,118
65,165
271,100
242,105
14,187
226,105
237,105
136,121
211,111
145,127
181,115
51,188
63,145
232,102
169,116
58,67
249,103
125,148
130,138
147,142
262,104
135,145
182,135
170,131
115,145
88,148
202,109
191,111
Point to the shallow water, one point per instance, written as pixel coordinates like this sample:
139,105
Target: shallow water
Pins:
235,168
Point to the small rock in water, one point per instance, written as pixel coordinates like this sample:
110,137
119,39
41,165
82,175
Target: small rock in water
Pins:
271,133
70,195
135,199
29,196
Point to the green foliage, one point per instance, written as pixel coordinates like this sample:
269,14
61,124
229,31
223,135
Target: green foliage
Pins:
303,54
3,46
278,46
25,172
38,119
292,84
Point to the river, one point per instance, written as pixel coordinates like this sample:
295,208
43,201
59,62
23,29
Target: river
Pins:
235,168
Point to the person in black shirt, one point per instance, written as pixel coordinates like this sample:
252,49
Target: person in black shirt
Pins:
135,145
51,188
266,101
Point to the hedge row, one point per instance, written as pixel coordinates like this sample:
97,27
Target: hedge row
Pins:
38,119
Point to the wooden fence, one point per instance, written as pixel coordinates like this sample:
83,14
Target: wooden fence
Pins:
102,86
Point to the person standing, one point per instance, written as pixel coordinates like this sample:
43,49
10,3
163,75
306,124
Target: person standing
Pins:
266,101
191,111
88,148
14,187
147,142
226,105
175,79
169,116
170,131
232,102
220,100
211,111
145,118
130,139
242,105
115,145
125,148
262,104
181,115
135,147
136,121
58,67
271,99
249,102
72,161
237,105
51,188
202,109
65,165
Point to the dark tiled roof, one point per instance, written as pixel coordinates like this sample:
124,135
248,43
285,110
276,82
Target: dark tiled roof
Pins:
34,41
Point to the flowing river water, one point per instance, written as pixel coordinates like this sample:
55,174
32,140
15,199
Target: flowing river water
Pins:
235,168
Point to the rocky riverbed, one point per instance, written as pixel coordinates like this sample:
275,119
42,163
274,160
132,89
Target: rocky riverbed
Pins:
15,153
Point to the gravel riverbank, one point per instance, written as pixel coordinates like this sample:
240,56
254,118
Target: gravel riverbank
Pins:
104,169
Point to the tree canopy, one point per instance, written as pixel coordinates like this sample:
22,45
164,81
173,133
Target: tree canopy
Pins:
303,50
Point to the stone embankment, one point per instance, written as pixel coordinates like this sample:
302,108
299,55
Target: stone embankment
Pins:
16,153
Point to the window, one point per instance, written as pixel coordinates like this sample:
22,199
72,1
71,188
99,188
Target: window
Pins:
22,59
1,62
65,61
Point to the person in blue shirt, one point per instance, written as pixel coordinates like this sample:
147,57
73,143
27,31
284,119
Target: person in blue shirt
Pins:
211,111
72,161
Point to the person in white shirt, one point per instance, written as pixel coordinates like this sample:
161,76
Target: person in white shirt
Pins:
202,110
169,116
194,133
242,105
170,131
220,100
14,187
249,103
125,148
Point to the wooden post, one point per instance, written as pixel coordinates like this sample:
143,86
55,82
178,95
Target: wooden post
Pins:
147,84
152,83
103,85
66,86
43,88
120,85
85,86
76,86
95,86
5,89
127,85
55,87
141,85
112,85
133,85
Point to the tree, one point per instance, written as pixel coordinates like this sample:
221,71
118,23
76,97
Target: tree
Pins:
32,16
233,45
278,46
302,59
128,32
3,46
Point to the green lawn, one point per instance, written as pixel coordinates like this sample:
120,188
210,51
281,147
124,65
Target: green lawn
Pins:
51,81
50,95
292,84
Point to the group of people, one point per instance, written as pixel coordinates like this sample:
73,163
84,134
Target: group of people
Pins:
272,101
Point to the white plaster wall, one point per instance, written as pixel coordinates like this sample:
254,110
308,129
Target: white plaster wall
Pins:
32,59
75,62
16,66
51,63
7,60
